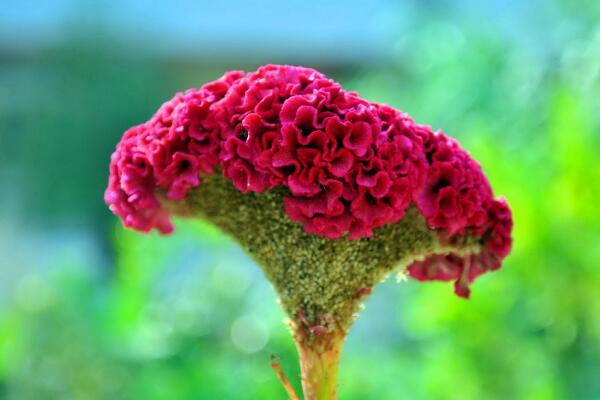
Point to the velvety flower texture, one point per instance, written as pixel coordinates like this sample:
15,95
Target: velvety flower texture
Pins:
458,199
349,166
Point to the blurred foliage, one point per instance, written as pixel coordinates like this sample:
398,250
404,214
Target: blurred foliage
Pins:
163,327
189,316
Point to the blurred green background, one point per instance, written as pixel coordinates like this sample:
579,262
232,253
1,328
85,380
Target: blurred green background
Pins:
91,311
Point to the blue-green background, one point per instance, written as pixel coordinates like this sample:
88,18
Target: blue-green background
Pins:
91,311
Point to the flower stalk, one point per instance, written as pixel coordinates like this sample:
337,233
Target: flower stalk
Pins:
319,365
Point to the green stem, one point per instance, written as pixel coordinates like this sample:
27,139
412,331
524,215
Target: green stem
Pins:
319,364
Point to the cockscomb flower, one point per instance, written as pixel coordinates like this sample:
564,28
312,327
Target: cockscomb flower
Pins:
328,192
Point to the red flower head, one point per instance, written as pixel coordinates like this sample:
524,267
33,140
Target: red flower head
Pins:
346,166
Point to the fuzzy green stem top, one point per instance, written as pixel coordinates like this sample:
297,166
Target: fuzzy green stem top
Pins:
320,282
